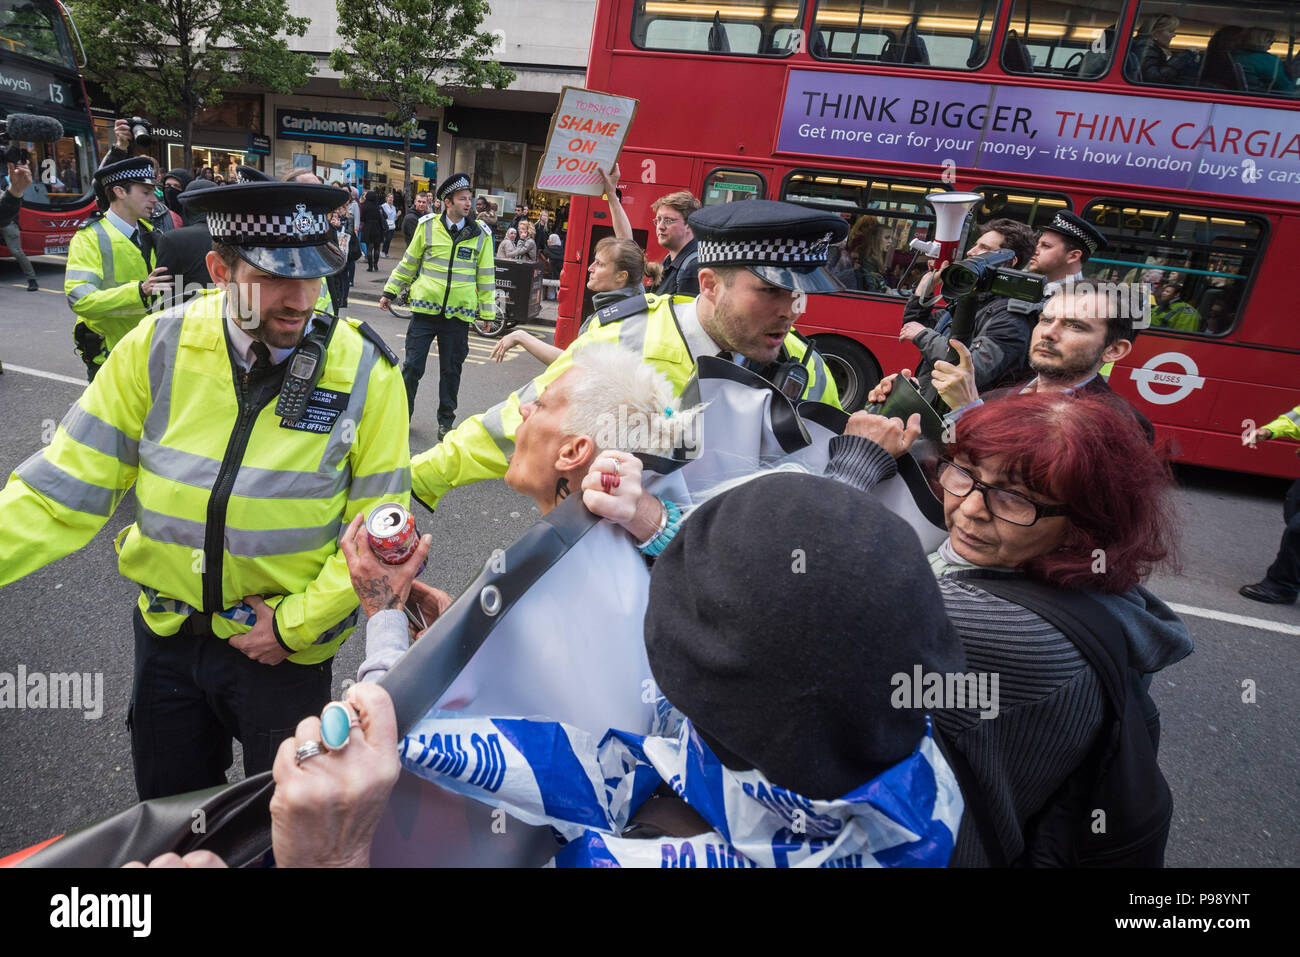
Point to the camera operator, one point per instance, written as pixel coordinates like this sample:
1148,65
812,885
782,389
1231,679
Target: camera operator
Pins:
20,177
137,131
1000,335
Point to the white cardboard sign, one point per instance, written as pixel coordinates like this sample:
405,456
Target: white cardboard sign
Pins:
587,133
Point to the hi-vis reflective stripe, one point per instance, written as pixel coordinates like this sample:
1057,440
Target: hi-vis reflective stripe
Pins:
94,432
105,254
90,282
242,543
632,332
1293,415
201,472
381,484
493,421
818,390
68,490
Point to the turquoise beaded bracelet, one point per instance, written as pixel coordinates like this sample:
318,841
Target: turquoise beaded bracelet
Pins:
660,541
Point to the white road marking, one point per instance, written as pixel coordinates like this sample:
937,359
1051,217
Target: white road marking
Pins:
1232,619
9,367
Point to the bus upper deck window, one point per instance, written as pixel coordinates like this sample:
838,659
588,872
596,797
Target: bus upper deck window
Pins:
949,34
744,27
1063,38
1247,49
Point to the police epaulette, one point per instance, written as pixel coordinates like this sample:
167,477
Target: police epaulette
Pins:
620,310
427,216
374,337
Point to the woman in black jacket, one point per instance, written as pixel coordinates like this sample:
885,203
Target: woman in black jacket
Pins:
372,229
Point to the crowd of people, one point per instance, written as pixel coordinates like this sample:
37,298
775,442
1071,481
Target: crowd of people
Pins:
1048,496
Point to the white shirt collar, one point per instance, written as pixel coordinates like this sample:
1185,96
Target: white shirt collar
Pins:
122,226
1032,385
699,342
243,346
455,224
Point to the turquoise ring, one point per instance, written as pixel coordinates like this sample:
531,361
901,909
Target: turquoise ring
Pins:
336,723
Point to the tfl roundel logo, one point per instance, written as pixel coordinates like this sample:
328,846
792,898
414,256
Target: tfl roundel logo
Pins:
1182,376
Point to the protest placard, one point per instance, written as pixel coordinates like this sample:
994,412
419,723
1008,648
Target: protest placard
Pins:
587,133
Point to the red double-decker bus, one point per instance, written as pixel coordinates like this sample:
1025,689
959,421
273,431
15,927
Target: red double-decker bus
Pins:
1173,126
39,75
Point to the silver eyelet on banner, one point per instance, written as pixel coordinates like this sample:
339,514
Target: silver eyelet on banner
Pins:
489,600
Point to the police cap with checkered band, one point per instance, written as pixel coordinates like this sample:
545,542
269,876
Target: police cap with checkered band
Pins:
280,228
1077,230
781,243
136,169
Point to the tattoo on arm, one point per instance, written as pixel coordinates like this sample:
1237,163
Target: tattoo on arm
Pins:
561,490
378,592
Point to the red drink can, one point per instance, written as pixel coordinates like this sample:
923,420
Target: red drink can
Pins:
392,533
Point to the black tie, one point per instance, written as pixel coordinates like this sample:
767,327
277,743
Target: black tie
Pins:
135,238
724,354
262,364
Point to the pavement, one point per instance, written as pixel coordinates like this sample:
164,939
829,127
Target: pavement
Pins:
1231,720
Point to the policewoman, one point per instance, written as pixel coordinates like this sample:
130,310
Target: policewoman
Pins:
758,260
450,270
110,277
253,430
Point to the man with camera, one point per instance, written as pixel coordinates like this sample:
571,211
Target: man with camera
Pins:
1000,333
111,276
20,177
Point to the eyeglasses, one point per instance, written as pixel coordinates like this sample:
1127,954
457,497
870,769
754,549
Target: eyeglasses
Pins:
665,221
1002,503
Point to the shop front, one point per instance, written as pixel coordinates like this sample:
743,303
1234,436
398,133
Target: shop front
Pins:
500,150
362,150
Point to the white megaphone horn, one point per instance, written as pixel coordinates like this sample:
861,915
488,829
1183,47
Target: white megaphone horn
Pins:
950,212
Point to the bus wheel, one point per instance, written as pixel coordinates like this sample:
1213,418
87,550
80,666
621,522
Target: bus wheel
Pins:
852,367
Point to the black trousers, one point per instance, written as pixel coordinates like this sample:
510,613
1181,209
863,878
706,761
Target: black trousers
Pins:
453,347
193,693
1285,570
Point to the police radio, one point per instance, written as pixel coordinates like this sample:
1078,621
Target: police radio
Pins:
305,368
790,376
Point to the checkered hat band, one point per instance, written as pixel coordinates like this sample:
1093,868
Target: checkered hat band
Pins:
771,252
1063,226
455,185
245,227
140,174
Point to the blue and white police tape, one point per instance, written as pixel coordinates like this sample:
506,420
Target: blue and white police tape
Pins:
546,773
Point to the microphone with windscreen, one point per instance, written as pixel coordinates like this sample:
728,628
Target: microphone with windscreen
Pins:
19,128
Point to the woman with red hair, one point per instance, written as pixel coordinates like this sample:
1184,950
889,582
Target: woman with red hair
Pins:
1057,496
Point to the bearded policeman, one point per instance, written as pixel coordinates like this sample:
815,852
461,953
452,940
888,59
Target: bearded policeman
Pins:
253,430
759,260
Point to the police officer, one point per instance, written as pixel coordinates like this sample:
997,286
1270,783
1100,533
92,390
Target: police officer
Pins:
1281,583
758,261
450,270
111,275
253,430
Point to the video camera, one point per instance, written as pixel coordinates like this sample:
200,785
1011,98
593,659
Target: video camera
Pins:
26,128
986,273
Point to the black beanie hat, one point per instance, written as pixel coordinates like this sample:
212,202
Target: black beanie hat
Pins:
779,614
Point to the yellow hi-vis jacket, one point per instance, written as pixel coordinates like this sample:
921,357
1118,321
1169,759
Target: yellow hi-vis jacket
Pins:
450,276
1286,425
480,447
231,501
102,281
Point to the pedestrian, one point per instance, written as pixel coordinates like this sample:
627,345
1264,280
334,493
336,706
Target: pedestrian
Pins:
451,273
758,255
372,229
336,283
419,209
20,177
111,276
390,221
244,598
508,248
1281,583
554,253
526,246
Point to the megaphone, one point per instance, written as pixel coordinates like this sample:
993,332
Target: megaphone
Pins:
950,212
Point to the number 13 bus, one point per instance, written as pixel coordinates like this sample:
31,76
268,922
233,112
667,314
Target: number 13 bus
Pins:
1172,126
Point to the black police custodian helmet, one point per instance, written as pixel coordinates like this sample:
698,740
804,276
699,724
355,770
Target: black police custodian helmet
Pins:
784,244
280,228
453,184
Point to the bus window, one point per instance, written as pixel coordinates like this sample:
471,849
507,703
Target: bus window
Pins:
1064,38
1217,45
30,30
740,27
952,34
1198,263
726,185
883,217
1033,209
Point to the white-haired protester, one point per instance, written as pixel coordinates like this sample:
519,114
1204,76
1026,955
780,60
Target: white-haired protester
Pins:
581,433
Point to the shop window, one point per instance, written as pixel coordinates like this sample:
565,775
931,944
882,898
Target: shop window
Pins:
728,185
950,34
746,27
884,216
1034,209
1198,263
1251,48
1063,38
